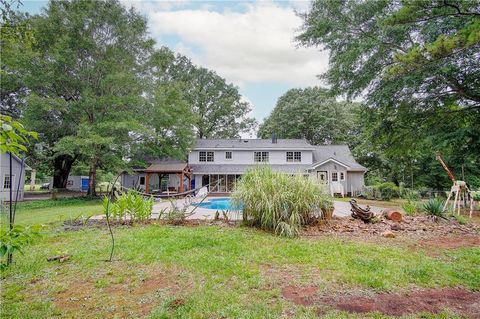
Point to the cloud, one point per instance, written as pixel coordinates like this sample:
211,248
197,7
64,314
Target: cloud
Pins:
252,45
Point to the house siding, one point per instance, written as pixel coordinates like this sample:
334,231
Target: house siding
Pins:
246,157
5,171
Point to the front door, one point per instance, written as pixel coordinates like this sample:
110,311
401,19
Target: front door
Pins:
322,177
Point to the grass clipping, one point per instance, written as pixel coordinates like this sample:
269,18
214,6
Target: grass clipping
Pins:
280,202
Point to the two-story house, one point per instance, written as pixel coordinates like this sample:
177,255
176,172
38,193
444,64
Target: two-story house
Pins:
226,160
221,162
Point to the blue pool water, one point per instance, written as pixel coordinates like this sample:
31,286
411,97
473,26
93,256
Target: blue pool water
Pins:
219,204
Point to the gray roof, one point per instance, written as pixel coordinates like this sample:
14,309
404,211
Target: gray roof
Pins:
241,169
299,144
339,153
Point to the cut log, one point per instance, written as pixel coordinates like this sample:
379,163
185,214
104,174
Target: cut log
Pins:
394,215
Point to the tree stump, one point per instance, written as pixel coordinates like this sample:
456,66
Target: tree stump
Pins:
394,215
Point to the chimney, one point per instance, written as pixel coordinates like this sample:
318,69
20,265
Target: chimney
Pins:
274,138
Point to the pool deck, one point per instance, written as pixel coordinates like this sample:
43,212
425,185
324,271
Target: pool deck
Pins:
341,209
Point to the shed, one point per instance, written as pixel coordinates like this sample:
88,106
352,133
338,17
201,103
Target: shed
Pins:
15,180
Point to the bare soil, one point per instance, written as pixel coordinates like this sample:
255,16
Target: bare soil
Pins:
458,300
412,227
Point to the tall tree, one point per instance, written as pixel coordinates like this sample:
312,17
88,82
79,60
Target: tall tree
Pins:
313,114
417,65
86,82
218,108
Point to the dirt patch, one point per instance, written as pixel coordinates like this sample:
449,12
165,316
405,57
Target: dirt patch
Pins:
459,300
300,295
451,242
411,227
133,297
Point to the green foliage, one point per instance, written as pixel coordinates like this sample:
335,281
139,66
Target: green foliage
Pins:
15,239
382,191
434,207
278,202
313,114
129,205
415,64
13,136
410,208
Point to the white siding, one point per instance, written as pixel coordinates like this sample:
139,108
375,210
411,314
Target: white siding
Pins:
5,170
246,157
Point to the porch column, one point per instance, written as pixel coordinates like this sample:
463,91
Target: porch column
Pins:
180,187
147,183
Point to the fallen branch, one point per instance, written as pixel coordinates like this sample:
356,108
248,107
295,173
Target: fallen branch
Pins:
60,258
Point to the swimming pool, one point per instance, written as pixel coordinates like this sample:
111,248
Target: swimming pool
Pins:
225,203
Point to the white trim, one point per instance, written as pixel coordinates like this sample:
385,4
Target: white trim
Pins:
253,149
314,166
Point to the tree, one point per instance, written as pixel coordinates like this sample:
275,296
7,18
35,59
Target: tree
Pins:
416,64
312,114
86,82
218,108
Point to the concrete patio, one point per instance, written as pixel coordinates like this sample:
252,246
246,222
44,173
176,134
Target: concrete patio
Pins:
341,209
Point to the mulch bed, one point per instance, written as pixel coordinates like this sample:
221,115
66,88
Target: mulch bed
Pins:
413,227
459,300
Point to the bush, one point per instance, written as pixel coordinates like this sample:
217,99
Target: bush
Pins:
383,191
278,202
434,207
15,239
410,207
130,204
476,196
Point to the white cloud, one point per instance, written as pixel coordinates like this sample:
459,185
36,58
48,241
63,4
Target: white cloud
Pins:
253,46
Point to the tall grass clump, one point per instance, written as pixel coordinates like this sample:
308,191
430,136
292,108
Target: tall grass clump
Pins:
279,202
130,205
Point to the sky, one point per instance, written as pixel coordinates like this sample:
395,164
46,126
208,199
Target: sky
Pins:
250,43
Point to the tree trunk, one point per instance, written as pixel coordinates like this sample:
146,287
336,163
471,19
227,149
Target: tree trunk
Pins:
62,166
92,178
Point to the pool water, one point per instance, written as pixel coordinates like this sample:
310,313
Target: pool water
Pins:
219,204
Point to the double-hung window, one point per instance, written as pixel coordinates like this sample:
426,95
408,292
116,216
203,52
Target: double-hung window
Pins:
8,181
334,177
206,156
294,156
260,156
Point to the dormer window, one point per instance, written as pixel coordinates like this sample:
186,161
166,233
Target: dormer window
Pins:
204,156
294,157
260,157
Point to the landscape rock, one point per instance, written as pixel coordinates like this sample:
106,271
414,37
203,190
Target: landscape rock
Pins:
388,234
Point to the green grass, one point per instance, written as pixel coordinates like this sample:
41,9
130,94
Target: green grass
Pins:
215,271
48,211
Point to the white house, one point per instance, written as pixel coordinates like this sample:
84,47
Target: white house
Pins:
11,181
221,162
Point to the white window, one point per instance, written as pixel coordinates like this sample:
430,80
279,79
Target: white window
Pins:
342,176
260,156
204,156
294,156
334,177
228,155
8,181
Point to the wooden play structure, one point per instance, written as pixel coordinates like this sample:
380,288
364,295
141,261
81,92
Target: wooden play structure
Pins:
459,190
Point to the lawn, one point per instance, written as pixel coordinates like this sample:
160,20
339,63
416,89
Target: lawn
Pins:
51,211
219,271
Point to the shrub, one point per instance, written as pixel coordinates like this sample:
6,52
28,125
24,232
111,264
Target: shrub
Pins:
130,204
278,202
383,191
410,207
388,190
434,207
476,196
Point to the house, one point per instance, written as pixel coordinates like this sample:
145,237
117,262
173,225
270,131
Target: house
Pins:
227,159
220,162
15,180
